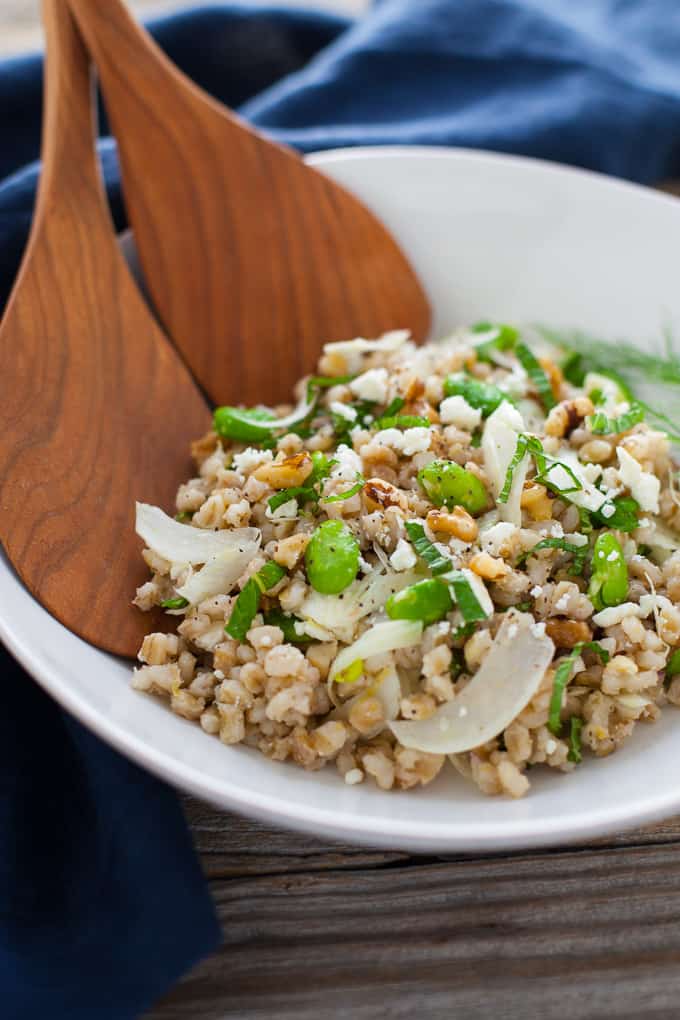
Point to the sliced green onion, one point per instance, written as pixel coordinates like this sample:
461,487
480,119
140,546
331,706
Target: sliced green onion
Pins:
561,679
176,603
579,552
427,551
248,602
575,727
536,373
601,425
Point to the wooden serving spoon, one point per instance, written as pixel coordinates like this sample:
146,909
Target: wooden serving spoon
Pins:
253,259
97,409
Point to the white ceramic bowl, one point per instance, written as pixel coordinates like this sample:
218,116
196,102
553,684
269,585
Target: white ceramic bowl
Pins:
494,237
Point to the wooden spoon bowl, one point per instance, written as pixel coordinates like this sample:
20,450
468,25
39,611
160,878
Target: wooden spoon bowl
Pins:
97,409
252,258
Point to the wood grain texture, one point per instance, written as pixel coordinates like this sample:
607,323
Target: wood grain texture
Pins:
252,258
325,932
96,408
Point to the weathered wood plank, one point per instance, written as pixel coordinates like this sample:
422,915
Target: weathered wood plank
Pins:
585,933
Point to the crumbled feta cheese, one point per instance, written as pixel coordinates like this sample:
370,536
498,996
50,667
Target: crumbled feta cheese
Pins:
286,512
343,410
494,538
219,674
607,510
354,776
644,486
536,591
550,746
613,556
615,614
456,411
578,539
408,442
538,629
403,557
371,385
562,603
250,459
364,566
348,464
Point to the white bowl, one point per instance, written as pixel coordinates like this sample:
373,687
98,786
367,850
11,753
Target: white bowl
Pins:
494,237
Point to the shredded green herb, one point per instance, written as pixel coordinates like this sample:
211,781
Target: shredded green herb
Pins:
310,492
575,727
402,421
483,396
394,407
286,623
545,464
427,550
673,664
601,425
248,602
624,518
464,596
504,339
175,603
536,373
561,679
457,663
324,382
339,496
579,552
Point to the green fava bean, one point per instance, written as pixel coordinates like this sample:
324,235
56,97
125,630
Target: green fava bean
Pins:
609,581
448,484
427,600
332,558
484,396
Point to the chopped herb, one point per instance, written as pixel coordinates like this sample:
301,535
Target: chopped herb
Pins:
248,601
286,623
176,603
457,663
465,598
545,464
601,425
537,375
394,407
518,456
342,427
403,421
580,552
243,423
624,518
310,492
585,521
504,339
464,631
673,664
561,679
427,550
575,727
324,382
357,487
476,440
483,396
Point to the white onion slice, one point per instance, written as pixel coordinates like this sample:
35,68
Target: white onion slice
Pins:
182,543
504,684
383,637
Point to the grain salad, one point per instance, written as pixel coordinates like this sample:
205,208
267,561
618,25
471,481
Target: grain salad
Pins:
462,554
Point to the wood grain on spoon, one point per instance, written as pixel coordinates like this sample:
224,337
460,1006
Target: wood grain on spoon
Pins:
253,259
97,409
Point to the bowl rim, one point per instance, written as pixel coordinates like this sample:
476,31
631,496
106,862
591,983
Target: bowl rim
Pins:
334,822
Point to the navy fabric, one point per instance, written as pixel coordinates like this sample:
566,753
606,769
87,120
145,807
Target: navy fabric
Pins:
102,905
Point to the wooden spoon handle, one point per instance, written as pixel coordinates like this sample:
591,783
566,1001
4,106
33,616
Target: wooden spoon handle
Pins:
68,127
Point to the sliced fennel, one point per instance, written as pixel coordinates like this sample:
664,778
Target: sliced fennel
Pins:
499,442
338,615
182,543
504,684
220,573
383,637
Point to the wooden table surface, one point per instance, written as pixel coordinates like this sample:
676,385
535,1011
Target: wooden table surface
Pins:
317,931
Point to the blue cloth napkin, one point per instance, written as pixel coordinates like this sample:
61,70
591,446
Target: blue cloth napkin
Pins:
101,902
